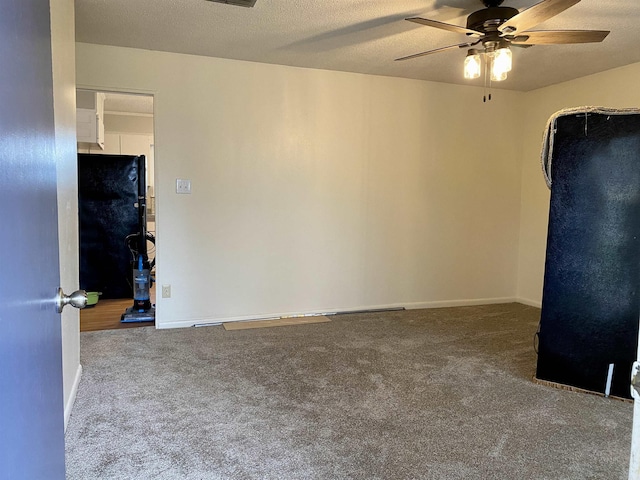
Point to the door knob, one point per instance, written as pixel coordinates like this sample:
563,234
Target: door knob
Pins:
77,299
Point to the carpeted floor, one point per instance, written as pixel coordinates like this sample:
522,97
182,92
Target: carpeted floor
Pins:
420,394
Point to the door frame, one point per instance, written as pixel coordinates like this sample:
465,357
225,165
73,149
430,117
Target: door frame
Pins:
153,94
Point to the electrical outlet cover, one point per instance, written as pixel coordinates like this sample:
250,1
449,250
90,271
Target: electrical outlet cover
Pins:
183,186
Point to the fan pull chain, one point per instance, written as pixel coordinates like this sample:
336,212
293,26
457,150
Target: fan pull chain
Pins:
487,66
490,81
484,87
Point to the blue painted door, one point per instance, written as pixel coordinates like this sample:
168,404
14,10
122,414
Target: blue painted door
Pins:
31,398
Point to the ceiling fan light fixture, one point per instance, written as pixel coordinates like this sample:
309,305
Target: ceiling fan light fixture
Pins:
472,64
501,63
503,59
498,76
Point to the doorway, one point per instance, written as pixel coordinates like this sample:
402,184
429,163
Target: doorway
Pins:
117,124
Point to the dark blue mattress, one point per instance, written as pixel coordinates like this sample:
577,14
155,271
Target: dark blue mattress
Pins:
590,304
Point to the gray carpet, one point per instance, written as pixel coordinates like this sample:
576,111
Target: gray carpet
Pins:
421,394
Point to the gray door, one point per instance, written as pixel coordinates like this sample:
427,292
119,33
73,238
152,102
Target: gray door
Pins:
31,398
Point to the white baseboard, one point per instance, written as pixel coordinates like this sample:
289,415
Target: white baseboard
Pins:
72,397
408,306
531,303
459,303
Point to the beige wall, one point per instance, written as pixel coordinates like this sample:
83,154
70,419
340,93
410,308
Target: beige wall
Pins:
64,100
615,88
128,124
318,191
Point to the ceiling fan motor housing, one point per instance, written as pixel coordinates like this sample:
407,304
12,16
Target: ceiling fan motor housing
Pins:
489,19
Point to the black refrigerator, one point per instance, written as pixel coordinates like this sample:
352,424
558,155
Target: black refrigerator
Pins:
108,188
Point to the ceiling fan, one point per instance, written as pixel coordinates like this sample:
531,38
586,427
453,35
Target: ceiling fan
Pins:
496,28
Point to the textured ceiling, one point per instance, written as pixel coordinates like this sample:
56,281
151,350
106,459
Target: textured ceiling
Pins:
362,36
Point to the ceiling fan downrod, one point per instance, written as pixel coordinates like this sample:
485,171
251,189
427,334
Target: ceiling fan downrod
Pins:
492,3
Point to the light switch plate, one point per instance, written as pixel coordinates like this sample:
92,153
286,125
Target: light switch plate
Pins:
183,186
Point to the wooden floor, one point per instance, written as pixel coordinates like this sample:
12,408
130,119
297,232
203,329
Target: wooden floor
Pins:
105,315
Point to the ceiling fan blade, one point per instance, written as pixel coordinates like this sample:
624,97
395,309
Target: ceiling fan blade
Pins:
558,37
443,26
437,50
534,15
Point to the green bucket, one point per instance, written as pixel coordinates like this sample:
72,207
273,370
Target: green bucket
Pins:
92,298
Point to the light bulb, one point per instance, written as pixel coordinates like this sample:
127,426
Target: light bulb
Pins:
472,64
498,76
501,64
503,59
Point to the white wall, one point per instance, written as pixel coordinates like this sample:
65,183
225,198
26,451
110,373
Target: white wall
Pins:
64,101
317,190
128,124
614,88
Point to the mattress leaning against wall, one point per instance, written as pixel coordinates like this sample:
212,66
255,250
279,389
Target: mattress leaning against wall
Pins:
590,303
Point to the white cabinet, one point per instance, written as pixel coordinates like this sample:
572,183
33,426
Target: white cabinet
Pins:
90,119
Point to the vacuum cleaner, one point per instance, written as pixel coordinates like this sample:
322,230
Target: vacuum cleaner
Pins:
142,309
